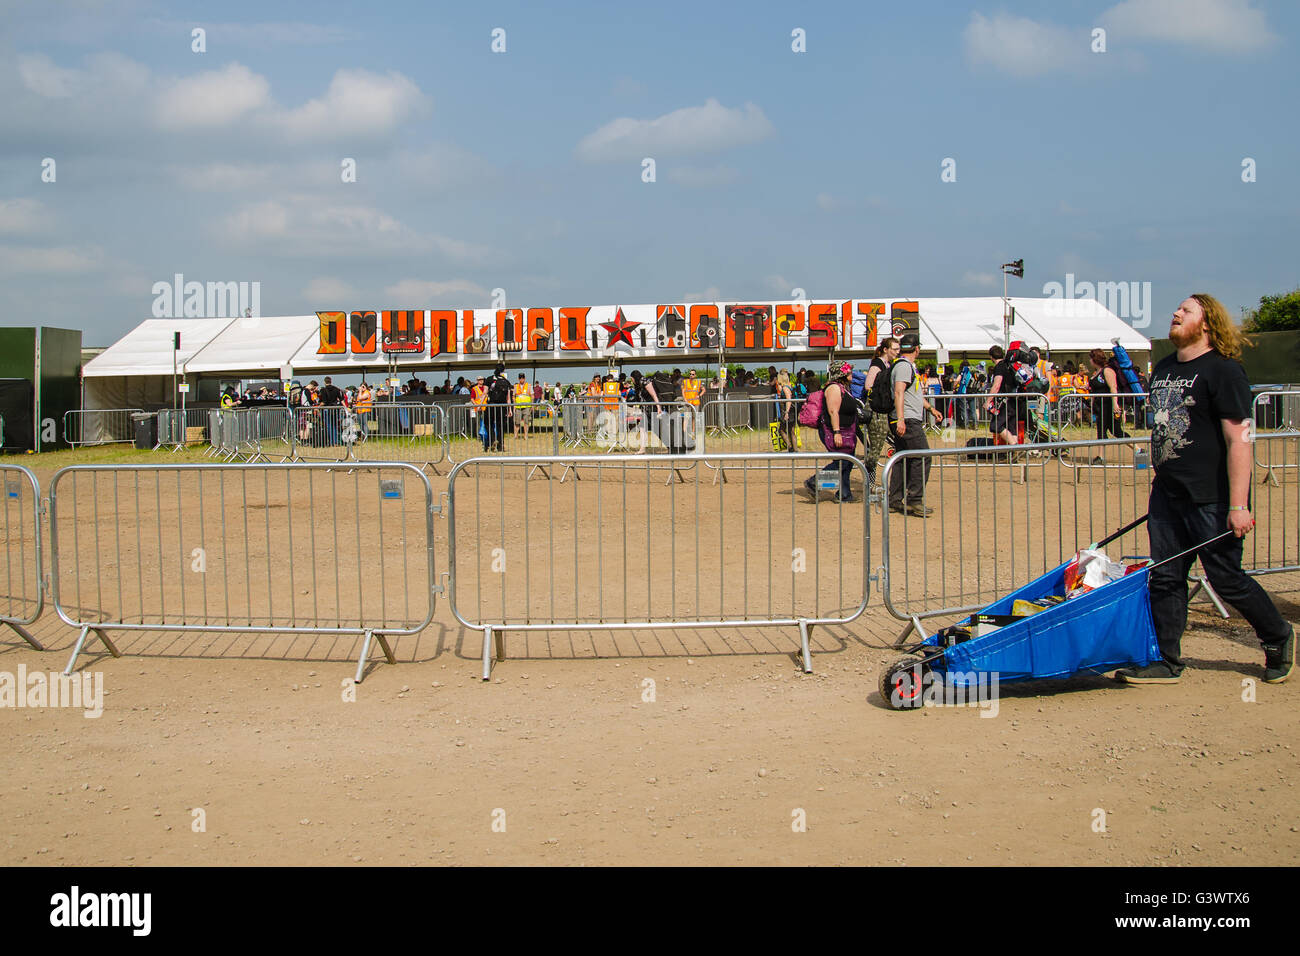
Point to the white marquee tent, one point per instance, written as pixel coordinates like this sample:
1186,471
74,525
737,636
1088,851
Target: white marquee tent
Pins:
136,371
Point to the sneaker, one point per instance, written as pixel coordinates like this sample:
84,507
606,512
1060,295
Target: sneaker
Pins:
1158,672
847,499
1278,659
919,511
897,509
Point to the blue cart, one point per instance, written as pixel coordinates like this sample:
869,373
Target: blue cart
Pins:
1100,631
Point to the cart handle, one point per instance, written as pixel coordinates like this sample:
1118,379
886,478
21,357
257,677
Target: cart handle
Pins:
1195,547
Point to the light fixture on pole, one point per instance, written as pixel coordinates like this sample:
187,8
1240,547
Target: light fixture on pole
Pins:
1016,269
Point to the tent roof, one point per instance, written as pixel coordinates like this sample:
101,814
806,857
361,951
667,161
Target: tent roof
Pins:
1063,325
147,349
256,344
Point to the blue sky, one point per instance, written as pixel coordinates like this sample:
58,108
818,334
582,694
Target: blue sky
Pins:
522,170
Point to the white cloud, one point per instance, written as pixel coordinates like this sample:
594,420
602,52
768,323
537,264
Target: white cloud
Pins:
693,129
701,176
40,75
1231,26
779,284
327,290
305,225
214,98
53,260
1023,47
18,216
357,102
826,201
985,279
426,292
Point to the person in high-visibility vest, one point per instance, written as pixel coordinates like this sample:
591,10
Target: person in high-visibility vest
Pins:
523,405
228,399
692,389
365,403
611,392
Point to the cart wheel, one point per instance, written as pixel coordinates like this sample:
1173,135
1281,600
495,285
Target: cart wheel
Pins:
900,684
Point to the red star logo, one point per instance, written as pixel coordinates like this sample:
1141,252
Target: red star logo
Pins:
620,330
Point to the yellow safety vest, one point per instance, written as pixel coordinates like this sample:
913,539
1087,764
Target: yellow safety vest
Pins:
523,394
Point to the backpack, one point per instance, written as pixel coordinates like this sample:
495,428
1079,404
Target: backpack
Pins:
498,391
664,389
858,384
882,393
1125,374
810,413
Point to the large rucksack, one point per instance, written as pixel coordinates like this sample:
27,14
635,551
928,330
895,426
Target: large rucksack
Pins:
498,392
1125,374
664,388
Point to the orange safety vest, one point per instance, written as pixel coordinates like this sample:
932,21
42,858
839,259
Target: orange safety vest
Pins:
523,393
478,396
611,394
691,389
363,400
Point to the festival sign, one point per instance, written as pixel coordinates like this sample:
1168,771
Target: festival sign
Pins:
628,331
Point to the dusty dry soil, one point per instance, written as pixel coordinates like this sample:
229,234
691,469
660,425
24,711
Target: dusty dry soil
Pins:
665,746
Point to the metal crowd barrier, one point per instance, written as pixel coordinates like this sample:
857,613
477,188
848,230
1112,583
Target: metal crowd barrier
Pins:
745,425
1135,418
629,552
256,548
481,429
23,596
179,427
414,433
1274,410
671,429
98,426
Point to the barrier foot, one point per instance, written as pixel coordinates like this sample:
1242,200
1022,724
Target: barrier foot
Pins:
803,644
365,652
81,643
570,468
537,468
487,653
388,651
914,624
1203,583
720,473
26,635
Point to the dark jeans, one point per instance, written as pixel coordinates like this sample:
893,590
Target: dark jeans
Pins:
1107,422
918,470
494,419
1175,525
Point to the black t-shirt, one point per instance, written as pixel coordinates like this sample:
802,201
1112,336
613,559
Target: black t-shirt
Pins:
330,395
1189,401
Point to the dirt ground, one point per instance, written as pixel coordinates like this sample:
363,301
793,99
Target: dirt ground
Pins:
672,746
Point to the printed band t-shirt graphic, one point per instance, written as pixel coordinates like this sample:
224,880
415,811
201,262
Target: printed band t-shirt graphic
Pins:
1189,401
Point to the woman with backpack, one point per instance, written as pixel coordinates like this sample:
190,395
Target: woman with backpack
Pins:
838,427
882,402
1107,411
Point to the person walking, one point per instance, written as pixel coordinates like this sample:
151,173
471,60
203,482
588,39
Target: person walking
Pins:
1203,457
838,427
908,417
1104,382
881,402
786,415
